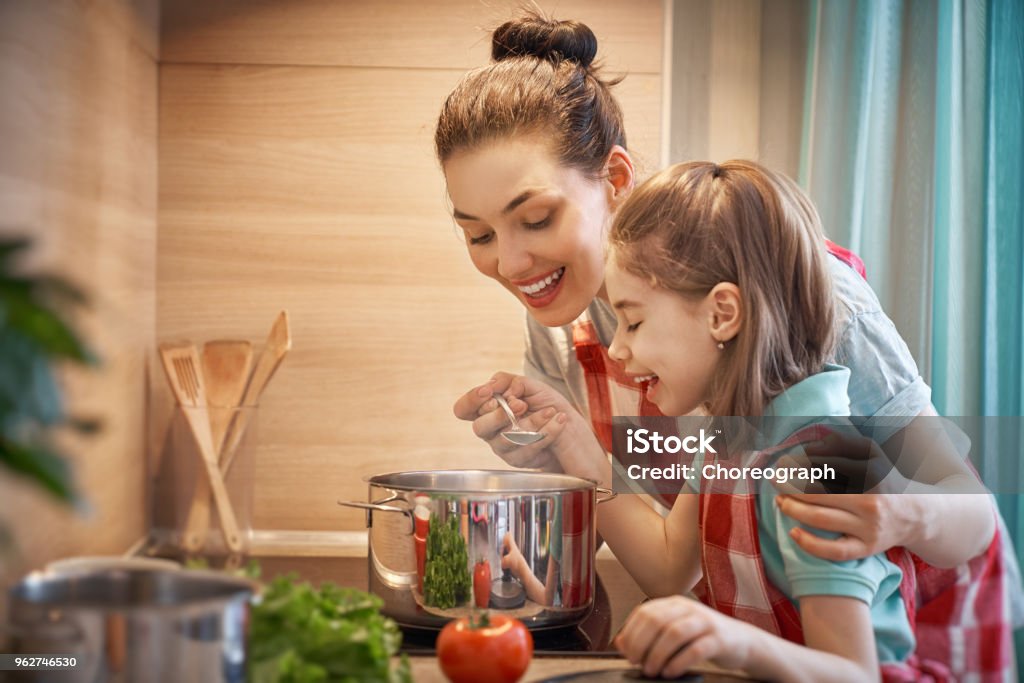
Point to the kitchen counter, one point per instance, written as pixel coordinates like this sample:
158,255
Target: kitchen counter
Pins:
587,647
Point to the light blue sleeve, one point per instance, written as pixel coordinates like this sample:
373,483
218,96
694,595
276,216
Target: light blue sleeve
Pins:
873,580
806,574
884,378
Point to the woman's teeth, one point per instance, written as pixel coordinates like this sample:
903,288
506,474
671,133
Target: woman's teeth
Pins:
645,378
540,285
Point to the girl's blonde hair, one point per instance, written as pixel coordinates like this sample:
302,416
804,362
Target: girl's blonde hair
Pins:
697,224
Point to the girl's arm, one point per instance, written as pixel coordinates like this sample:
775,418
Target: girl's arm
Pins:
671,635
662,554
840,645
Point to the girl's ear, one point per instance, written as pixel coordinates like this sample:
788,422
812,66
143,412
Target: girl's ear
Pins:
619,174
726,311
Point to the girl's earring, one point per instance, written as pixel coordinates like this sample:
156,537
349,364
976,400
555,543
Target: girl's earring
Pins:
721,346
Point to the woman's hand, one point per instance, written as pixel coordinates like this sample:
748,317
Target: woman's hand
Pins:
943,530
868,524
568,445
668,636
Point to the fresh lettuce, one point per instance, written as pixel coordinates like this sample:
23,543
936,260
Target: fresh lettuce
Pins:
300,634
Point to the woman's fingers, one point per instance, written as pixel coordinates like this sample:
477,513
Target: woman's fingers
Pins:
849,546
854,504
467,406
863,521
839,549
821,517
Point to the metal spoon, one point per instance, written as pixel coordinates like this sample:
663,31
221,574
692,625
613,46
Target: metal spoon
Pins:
517,434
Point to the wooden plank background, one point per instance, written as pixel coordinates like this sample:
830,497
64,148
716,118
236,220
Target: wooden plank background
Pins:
78,122
297,172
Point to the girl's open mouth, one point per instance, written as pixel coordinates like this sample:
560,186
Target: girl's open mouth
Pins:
651,381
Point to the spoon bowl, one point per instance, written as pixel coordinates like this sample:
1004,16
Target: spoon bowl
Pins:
516,435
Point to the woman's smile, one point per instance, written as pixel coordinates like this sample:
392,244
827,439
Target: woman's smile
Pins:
541,291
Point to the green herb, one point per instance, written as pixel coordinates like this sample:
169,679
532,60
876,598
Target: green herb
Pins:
446,580
299,634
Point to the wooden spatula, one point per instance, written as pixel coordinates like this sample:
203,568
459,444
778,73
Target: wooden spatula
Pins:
226,365
279,341
182,365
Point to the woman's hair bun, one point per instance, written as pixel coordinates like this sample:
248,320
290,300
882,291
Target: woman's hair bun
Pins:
534,36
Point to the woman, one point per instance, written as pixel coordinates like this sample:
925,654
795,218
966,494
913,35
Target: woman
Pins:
534,154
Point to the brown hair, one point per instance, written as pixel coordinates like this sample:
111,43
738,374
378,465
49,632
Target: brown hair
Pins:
543,80
697,224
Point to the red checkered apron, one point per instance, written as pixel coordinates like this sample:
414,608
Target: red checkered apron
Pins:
962,614
734,581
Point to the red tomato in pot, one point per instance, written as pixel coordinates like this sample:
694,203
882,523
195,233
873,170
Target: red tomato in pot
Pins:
482,584
484,649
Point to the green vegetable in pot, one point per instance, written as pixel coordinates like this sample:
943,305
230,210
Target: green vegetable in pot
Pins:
446,580
299,634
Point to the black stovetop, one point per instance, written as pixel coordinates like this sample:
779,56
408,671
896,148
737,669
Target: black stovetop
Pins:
592,636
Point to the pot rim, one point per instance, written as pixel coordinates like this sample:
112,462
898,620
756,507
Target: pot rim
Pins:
559,483
46,590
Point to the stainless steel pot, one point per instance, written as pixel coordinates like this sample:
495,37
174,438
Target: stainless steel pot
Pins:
545,524
132,624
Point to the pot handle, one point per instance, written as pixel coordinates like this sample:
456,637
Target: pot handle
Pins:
380,507
608,493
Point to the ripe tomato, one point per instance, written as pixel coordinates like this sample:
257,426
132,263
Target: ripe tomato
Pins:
484,649
482,584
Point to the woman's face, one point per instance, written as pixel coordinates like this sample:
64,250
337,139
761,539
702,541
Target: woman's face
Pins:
662,339
532,224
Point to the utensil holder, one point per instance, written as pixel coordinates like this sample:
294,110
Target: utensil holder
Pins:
180,468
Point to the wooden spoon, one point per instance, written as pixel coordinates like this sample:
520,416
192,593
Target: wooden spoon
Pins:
226,365
279,342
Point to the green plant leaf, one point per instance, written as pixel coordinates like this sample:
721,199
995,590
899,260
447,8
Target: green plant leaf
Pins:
41,464
11,246
20,313
33,335
29,394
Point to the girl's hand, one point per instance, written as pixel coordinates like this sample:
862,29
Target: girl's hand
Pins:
668,636
568,445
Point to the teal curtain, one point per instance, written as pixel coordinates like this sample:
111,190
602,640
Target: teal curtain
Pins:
913,150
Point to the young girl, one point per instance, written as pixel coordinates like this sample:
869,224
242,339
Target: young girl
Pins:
719,280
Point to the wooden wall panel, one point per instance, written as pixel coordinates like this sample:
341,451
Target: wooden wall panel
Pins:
404,34
297,174
78,173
